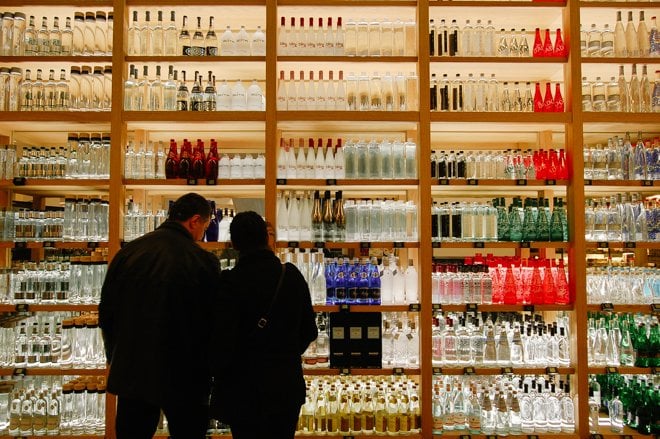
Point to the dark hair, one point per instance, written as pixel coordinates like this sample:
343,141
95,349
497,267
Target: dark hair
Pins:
189,205
248,232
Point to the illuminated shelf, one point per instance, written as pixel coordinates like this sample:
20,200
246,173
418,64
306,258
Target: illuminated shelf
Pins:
617,117
29,307
615,184
85,3
55,116
132,183
359,116
499,370
194,116
387,3
87,59
615,4
192,4
618,244
359,371
55,184
355,245
508,117
45,371
192,59
363,308
500,59
459,434
54,244
620,60
500,307
347,59
305,183
632,308
626,370
502,244
440,183
499,3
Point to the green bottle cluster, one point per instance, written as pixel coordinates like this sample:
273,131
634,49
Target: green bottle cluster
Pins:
531,220
623,340
640,396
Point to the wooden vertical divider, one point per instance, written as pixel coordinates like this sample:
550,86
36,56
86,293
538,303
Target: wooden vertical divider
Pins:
271,141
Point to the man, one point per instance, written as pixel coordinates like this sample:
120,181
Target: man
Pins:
156,320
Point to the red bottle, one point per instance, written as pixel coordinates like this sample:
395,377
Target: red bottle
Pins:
547,44
553,168
542,168
212,160
559,49
538,99
548,101
172,161
558,102
563,169
549,292
199,161
563,296
537,50
510,287
185,160
536,285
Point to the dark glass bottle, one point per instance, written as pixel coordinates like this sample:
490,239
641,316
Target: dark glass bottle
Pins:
213,230
199,161
185,160
212,160
328,220
172,161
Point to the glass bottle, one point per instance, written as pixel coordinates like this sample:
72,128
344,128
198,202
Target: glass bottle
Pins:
607,41
632,43
198,48
620,48
184,43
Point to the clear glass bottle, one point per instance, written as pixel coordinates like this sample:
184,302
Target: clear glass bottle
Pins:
170,36
156,46
184,43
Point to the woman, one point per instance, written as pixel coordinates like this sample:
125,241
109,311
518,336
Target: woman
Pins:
261,335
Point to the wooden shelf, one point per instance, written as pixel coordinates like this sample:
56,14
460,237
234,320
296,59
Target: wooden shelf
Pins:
627,245
458,434
359,116
132,183
215,245
54,244
502,244
618,117
41,59
499,59
361,372
386,3
354,245
65,3
78,436
285,183
622,183
52,371
56,116
620,60
157,3
364,308
618,5
347,59
499,3
508,117
56,184
628,433
625,370
194,116
192,59
500,307
440,183
55,307
632,308
498,370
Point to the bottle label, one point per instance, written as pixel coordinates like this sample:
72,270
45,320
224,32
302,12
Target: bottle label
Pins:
187,51
211,51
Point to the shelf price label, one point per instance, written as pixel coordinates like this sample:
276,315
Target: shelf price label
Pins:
478,244
469,370
20,244
365,244
551,182
655,371
521,182
331,182
211,181
629,245
443,181
647,182
22,307
491,436
525,244
437,371
19,181
191,182
471,307
414,307
465,436
281,181
398,371
436,307
507,371
595,436
472,182
528,308
349,437
607,307
19,371
319,244
92,245
345,371
611,370
49,244
626,436
550,370
436,244
588,182
655,307
398,244
532,436
345,307
603,244
293,244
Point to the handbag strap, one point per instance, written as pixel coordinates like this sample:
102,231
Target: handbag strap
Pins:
263,321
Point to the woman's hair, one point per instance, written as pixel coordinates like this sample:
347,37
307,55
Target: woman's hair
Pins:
248,232
189,205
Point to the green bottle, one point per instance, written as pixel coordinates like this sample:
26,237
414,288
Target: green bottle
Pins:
654,346
515,221
642,359
502,220
529,225
543,221
556,227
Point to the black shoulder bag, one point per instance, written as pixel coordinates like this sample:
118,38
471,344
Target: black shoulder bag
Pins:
263,321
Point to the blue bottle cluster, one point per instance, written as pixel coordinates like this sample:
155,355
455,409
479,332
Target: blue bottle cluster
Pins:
352,282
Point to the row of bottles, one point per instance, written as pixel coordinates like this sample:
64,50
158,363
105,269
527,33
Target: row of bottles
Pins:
514,404
46,406
492,221
618,95
631,41
500,280
627,400
503,164
81,220
623,285
621,160
160,38
623,340
621,218
318,163
87,89
459,340
91,34
54,341
84,156
484,95
76,281
148,93
357,37
360,405
138,222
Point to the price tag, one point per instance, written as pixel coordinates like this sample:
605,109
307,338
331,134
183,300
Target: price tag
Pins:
525,244
19,181
655,307
344,371
345,307
365,245
630,245
551,182
471,307
437,371
626,436
521,182
588,182
191,182
507,370
606,307
19,371
647,182
331,182
491,436
465,436
211,181
478,244
49,244
469,370
398,244
603,244
20,244
528,308
443,181
281,181
414,307
551,370
319,244
595,436
472,182
532,436
611,369
349,437
655,371
436,307
293,244
22,307
92,245
397,371
436,244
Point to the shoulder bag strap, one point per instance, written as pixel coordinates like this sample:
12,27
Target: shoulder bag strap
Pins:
263,321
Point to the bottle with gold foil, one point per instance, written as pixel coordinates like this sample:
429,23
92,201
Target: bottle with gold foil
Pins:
317,219
328,219
339,218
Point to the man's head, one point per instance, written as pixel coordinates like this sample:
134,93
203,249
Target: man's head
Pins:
193,212
248,232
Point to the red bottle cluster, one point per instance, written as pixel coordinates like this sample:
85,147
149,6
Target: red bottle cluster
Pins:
545,47
550,165
547,103
191,162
